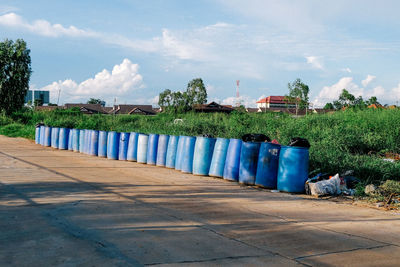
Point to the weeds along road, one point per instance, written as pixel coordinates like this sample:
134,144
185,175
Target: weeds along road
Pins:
65,208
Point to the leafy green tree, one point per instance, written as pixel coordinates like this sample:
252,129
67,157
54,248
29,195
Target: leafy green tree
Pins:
196,92
96,101
298,94
15,72
372,100
346,99
329,106
165,99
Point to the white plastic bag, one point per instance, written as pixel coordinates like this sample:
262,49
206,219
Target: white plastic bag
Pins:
326,187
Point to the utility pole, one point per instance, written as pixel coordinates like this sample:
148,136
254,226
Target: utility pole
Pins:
33,97
237,94
58,98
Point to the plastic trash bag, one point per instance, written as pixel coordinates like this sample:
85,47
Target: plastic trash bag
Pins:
299,142
255,138
326,187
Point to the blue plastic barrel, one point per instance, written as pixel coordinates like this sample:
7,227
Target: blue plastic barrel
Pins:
143,140
179,152
102,148
81,140
188,153
203,151
152,146
47,136
55,137
131,154
162,150
171,151
218,159
94,143
42,128
37,135
63,138
123,146
267,168
75,139
87,141
293,169
232,162
248,162
113,145
70,145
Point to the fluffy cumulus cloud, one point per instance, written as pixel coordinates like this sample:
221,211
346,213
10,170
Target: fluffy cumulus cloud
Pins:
331,93
121,82
245,100
368,80
315,62
43,27
396,92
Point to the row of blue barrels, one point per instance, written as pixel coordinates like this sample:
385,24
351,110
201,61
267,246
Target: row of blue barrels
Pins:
253,163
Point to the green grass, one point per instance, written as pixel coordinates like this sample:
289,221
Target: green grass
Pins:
340,141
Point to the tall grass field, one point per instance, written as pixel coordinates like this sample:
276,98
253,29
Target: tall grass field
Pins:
344,140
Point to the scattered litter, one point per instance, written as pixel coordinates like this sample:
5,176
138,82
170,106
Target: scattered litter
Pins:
275,191
351,181
323,184
178,121
370,189
299,142
390,160
326,187
275,142
255,138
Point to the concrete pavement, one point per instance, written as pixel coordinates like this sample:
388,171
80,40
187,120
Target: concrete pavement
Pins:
67,209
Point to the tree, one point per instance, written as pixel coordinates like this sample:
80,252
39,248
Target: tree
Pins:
346,99
165,98
329,106
298,94
372,101
96,101
15,72
196,93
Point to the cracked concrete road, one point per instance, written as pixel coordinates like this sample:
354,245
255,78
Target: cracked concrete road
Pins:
65,208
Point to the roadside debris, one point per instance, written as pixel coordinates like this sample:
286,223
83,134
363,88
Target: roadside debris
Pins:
299,142
255,138
324,185
370,189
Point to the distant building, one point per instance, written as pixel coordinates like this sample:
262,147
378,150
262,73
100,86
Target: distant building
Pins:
274,102
39,95
132,109
88,108
213,107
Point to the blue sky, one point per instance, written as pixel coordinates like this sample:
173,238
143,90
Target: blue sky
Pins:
132,50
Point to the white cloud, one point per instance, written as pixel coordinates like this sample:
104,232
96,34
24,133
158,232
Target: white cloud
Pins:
315,62
331,93
43,27
378,91
396,92
368,80
245,100
121,82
